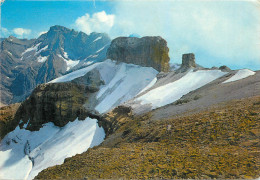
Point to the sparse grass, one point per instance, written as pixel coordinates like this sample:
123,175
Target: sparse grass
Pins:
222,143
182,101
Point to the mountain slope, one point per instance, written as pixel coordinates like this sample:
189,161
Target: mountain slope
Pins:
35,149
221,142
27,63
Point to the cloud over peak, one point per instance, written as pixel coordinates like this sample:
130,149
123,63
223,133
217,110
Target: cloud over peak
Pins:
21,32
98,22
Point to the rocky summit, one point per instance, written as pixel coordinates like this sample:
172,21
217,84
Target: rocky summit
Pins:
145,51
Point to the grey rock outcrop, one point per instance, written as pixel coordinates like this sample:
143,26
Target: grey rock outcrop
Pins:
145,51
225,68
92,80
188,61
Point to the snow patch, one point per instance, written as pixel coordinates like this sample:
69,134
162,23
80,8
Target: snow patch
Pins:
100,49
241,74
9,53
171,92
94,56
42,59
74,75
66,55
42,49
97,39
70,63
33,48
88,63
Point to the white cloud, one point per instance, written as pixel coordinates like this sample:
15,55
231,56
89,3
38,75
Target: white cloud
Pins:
223,30
98,22
21,32
4,32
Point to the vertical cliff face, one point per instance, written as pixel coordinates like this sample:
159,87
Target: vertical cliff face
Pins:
146,51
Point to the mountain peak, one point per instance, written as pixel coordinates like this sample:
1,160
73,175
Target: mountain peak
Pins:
58,28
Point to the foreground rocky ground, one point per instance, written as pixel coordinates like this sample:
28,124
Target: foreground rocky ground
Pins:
220,142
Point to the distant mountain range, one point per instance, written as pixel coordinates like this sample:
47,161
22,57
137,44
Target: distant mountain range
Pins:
26,63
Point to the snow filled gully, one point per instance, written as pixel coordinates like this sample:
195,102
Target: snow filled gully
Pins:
24,153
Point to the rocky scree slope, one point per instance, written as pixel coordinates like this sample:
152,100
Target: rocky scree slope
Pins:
145,51
27,63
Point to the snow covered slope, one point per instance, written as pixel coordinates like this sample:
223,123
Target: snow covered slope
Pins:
127,82
122,82
23,154
171,92
241,74
27,153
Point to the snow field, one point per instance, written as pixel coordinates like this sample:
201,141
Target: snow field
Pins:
171,92
47,147
241,74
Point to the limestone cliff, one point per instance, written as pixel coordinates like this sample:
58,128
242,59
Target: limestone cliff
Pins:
60,102
146,51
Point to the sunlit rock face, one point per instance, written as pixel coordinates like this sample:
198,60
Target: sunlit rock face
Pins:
146,51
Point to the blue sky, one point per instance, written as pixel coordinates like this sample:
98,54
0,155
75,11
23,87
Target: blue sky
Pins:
38,16
218,32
